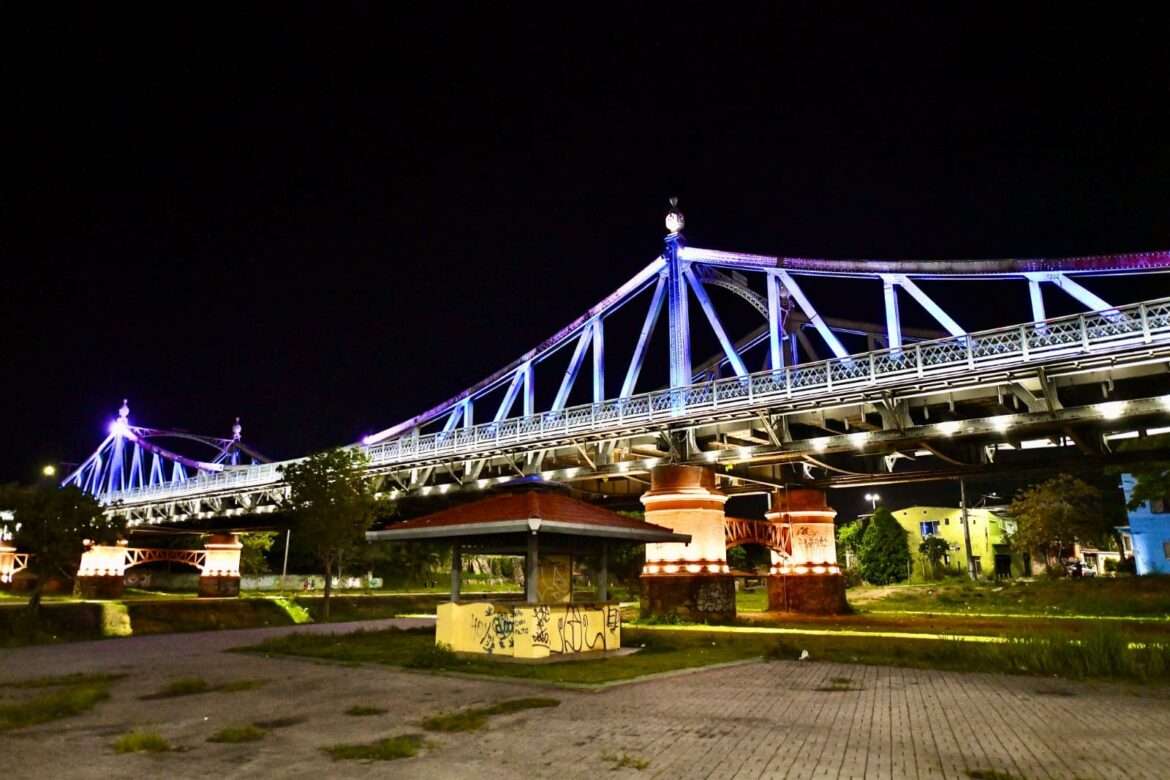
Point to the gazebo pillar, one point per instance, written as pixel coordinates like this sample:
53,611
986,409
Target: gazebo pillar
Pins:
603,574
456,570
532,573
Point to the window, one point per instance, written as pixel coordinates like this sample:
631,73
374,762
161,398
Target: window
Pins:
1159,506
928,528
1166,549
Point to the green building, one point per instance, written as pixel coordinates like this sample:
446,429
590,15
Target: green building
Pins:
990,528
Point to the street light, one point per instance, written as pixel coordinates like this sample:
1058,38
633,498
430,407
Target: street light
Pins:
49,471
872,498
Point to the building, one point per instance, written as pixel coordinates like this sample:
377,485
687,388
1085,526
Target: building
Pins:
1147,537
990,528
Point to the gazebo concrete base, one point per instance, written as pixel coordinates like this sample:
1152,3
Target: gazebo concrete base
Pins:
814,594
694,597
528,631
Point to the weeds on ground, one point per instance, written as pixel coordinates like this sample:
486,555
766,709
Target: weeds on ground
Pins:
389,749
991,774
139,741
279,723
438,655
358,711
838,685
190,686
64,697
474,719
624,761
235,734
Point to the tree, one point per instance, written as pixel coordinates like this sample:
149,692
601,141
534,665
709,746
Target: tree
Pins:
332,507
253,554
934,549
884,555
849,539
1057,513
53,525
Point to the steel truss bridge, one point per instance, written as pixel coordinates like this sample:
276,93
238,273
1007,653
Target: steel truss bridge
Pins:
889,402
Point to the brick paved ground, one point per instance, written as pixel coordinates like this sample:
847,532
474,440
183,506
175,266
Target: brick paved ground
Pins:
757,720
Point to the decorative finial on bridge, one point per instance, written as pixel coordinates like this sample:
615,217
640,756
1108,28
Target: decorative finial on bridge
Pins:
674,218
124,412
237,429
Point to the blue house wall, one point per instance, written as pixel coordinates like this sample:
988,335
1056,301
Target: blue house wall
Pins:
1150,532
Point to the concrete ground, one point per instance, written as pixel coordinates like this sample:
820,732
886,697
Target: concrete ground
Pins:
784,719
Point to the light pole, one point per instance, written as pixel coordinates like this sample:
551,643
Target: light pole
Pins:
872,498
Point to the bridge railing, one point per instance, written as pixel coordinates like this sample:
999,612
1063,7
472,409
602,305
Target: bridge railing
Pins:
1132,324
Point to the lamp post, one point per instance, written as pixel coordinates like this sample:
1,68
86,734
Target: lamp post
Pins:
872,498
49,471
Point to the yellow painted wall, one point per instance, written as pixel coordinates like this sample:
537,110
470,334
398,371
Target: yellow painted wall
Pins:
528,630
986,531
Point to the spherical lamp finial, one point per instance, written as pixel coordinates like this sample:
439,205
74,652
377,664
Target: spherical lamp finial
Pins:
124,412
674,218
237,429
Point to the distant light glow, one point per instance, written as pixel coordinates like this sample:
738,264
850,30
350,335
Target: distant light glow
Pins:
858,439
1001,423
949,428
1112,410
821,444
49,471
744,452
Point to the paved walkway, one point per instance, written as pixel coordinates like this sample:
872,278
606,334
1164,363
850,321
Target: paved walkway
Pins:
784,719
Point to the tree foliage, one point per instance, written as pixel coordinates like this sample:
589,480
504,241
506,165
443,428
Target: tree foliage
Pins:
254,553
884,554
53,524
849,537
1057,513
934,550
332,507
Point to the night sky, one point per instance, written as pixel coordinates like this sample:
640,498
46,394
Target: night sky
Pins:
325,221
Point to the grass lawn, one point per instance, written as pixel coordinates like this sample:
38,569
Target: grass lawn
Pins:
45,699
661,651
1103,654
1145,597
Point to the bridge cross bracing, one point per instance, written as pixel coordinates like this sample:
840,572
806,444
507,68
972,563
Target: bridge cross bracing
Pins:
444,448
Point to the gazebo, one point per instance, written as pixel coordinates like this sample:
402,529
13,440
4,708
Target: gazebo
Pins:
549,529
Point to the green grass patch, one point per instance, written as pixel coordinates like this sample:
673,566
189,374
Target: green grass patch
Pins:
235,734
279,723
751,600
1071,597
624,761
660,651
183,615
139,741
389,749
475,719
57,697
358,711
191,686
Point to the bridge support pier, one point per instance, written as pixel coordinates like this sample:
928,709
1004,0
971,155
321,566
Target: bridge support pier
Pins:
220,576
809,580
102,573
690,580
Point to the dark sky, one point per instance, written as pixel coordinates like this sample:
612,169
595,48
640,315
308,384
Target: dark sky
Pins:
326,220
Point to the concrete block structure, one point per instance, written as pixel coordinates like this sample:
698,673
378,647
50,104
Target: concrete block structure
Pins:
807,580
692,579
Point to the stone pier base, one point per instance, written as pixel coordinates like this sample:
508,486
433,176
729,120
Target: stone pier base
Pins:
100,587
219,586
692,597
815,594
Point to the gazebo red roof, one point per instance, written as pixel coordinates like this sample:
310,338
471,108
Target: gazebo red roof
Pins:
532,510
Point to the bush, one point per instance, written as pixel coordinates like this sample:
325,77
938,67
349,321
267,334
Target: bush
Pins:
1110,566
436,656
884,556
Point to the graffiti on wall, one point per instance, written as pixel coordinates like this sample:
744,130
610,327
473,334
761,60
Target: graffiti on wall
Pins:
525,631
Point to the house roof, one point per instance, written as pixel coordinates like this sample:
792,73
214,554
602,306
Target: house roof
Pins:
531,511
